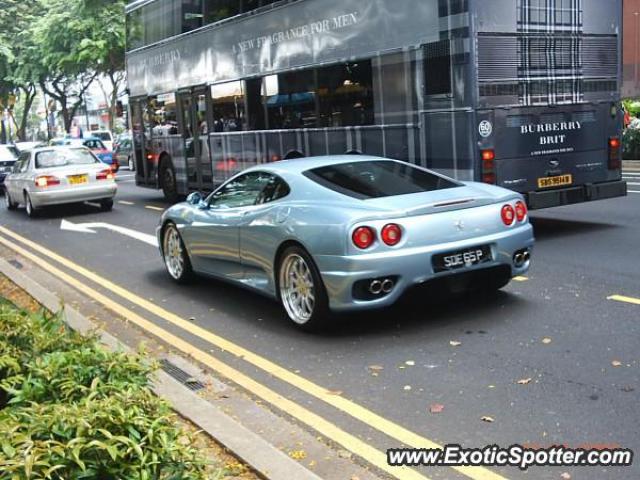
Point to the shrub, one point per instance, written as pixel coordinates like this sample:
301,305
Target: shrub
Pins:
130,436
631,144
77,411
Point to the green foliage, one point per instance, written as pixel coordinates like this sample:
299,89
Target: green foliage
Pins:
631,144
77,411
128,436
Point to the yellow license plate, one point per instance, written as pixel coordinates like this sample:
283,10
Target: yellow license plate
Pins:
550,182
78,179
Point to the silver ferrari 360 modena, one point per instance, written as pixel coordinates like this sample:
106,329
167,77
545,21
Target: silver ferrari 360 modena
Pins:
344,233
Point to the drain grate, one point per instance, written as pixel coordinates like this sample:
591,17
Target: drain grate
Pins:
16,264
181,376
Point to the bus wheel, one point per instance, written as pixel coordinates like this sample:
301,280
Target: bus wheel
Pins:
168,181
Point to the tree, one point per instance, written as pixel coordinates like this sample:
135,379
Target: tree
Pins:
107,49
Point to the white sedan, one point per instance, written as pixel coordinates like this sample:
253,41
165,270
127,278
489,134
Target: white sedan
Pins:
59,175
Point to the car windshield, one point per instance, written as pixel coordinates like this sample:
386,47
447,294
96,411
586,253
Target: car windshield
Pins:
8,153
378,179
64,158
102,135
94,144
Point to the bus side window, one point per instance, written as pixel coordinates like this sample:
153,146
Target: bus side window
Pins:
437,68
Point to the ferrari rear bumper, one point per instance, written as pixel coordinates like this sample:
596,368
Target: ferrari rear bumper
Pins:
344,276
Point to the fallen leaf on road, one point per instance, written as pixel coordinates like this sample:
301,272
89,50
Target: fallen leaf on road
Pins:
525,381
298,454
616,363
488,419
453,343
376,368
344,454
407,388
565,476
436,408
410,363
546,341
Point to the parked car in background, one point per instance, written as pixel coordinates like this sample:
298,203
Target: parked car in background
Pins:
59,175
94,144
123,153
347,233
25,146
105,135
8,157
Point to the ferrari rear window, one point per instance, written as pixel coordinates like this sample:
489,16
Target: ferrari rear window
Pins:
378,179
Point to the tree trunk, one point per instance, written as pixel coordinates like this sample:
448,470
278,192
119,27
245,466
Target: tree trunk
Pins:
30,91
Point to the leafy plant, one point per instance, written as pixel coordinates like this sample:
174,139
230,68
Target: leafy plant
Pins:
631,144
77,411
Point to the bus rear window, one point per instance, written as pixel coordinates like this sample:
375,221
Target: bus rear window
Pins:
378,179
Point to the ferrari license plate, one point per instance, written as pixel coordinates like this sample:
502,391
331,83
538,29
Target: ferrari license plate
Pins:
551,182
462,259
78,179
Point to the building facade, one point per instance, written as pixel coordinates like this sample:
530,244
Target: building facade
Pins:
631,49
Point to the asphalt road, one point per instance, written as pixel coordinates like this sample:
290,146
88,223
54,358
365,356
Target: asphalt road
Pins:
558,328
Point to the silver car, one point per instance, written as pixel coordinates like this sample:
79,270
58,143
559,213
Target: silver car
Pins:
59,175
347,233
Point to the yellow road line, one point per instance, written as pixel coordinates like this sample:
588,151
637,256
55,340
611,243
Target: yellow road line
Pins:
122,202
326,428
389,428
151,207
521,279
623,299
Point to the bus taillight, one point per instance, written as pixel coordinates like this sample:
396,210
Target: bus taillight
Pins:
614,154
488,166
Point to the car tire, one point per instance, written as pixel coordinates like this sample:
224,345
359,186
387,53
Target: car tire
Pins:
31,210
131,163
11,205
301,290
106,205
168,181
175,256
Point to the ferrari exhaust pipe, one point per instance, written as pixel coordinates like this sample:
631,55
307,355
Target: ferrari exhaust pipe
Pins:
527,256
518,260
376,287
387,286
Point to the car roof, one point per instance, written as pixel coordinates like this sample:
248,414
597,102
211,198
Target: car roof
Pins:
301,165
57,148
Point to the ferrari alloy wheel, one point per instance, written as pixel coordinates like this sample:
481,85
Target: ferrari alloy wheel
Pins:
302,292
175,256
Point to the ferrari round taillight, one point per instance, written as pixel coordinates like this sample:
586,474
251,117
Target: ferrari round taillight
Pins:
521,211
363,237
508,215
392,234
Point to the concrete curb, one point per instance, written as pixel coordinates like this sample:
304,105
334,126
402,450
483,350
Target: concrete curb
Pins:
249,447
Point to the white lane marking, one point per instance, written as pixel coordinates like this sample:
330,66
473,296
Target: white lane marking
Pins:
123,202
124,176
634,191
90,228
151,207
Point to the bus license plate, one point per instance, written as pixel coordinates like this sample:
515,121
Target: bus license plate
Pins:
78,179
551,182
462,259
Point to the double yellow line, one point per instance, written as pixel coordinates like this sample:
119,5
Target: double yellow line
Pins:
351,443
